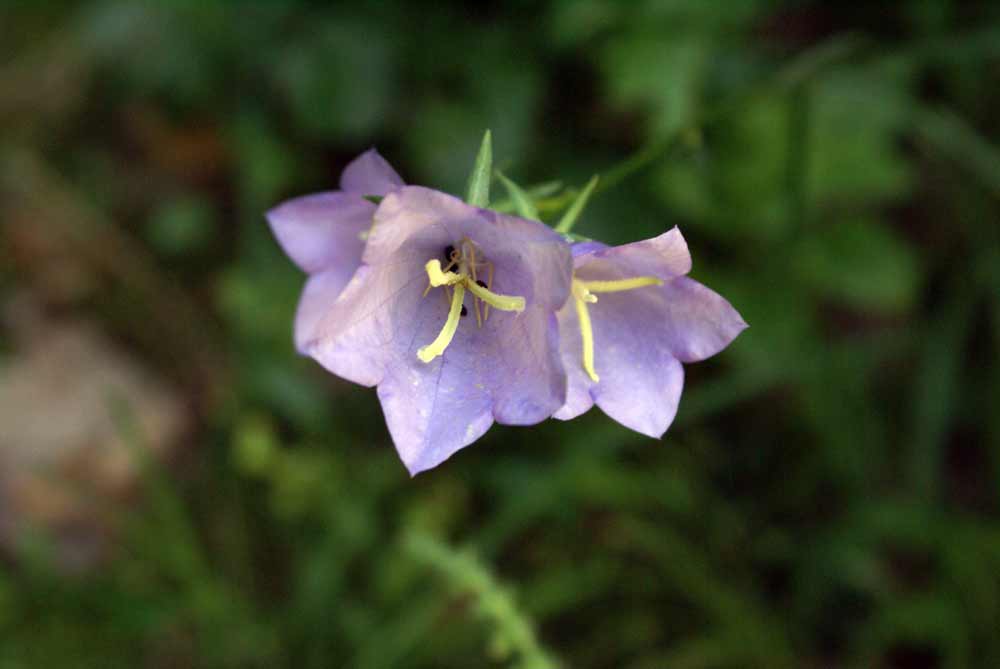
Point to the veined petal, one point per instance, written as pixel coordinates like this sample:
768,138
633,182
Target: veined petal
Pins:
665,257
413,210
534,252
318,296
640,380
322,230
381,310
641,331
697,321
533,257
508,371
429,427
369,174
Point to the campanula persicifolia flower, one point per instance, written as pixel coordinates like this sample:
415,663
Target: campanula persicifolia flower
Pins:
633,318
324,233
452,316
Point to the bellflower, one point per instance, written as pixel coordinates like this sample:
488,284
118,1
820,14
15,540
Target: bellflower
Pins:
451,315
633,318
323,234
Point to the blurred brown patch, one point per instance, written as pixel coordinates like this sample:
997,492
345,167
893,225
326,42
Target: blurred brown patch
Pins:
65,466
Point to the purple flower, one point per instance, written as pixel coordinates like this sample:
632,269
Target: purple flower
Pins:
632,320
452,316
323,234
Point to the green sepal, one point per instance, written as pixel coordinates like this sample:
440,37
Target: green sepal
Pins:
478,193
568,220
523,205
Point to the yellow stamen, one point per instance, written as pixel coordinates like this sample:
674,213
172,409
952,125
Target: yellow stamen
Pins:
621,284
587,335
465,278
475,279
489,284
439,278
501,302
583,294
437,347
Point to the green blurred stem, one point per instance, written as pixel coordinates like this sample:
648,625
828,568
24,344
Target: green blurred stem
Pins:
792,76
513,632
797,174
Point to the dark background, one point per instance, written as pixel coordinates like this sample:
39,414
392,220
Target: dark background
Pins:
179,489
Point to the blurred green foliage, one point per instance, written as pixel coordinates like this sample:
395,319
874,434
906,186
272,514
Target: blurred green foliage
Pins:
830,493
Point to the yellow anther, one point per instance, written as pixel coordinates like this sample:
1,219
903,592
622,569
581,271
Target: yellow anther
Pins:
587,335
439,278
437,347
621,284
501,302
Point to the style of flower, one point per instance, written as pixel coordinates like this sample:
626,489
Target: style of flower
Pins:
452,316
324,234
634,317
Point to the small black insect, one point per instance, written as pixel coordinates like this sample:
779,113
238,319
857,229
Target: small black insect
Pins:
465,312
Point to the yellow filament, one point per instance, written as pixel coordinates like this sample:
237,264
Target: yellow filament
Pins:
621,284
501,302
464,279
475,279
489,284
587,335
437,347
583,294
439,278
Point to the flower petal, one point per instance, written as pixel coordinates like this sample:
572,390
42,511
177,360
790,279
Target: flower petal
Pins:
535,261
378,311
531,251
578,384
318,296
412,210
528,250
369,174
322,230
698,322
507,371
587,247
429,427
665,256
640,380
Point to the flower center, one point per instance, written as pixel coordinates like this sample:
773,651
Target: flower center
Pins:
583,294
461,273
